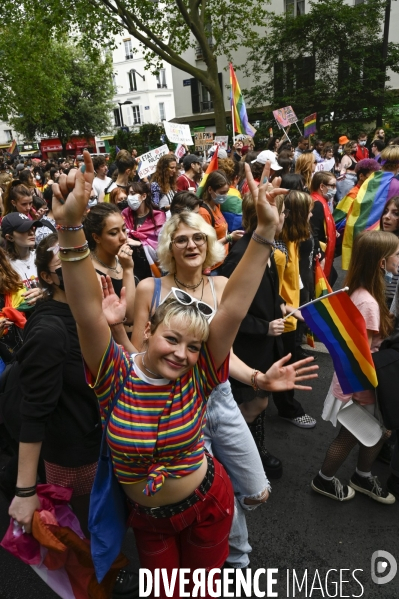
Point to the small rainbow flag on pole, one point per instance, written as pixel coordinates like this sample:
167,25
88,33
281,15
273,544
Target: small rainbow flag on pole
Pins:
13,148
309,124
238,110
212,166
340,326
366,212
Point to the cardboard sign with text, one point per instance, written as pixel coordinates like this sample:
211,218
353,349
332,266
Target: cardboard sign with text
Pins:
148,162
178,134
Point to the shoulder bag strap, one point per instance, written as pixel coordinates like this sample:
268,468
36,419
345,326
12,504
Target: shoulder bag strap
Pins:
156,296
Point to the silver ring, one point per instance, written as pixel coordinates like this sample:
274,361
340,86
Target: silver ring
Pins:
23,528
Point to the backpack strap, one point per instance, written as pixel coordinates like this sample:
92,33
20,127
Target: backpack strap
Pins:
205,205
156,296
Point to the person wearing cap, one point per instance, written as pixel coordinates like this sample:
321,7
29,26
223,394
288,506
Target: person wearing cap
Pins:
303,145
258,164
192,165
18,232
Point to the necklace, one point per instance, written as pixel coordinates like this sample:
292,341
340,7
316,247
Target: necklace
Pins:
147,369
187,286
201,281
113,268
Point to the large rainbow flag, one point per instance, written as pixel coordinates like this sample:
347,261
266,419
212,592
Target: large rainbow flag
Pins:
238,109
309,124
366,210
340,326
212,166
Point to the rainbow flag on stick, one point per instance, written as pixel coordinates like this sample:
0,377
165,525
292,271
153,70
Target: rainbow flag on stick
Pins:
238,110
366,212
340,326
212,166
13,149
309,124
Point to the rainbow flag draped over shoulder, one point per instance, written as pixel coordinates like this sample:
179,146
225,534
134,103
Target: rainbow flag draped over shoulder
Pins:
239,111
309,124
366,210
340,326
342,211
212,166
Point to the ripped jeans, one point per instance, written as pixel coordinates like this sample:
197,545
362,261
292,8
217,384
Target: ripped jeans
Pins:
229,439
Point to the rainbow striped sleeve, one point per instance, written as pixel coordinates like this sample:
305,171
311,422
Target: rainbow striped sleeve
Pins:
206,374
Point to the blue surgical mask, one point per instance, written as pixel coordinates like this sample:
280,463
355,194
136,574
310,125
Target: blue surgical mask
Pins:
330,194
388,276
220,199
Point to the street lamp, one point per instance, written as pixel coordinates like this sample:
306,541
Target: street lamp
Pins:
120,109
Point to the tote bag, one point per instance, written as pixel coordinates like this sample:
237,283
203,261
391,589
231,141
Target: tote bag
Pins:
108,508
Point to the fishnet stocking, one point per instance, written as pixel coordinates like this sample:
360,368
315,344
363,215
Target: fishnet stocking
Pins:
341,447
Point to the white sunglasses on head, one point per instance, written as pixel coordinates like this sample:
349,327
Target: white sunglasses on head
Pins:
186,299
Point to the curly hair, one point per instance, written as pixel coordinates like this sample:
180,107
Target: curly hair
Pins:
296,225
304,167
162,176
369,249
231,168
215,251
10,281
94,221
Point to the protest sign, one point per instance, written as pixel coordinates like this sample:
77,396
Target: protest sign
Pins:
327,165
180,151
178,134
285,116
203,141
222,141
148,162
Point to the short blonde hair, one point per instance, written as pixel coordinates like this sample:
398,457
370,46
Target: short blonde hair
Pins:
185,317
214,253
390,158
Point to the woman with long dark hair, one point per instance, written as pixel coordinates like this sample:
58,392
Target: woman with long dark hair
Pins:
163,182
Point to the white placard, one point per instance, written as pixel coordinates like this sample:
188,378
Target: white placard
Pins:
222,141
148,162
327,165
178,134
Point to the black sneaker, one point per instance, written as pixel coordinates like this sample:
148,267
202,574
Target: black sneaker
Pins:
393,485
371,486
126,585
332,488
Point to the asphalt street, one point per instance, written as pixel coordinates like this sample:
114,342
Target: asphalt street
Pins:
299,533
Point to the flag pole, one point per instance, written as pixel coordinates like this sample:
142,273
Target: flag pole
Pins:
232,114
322,297
296,123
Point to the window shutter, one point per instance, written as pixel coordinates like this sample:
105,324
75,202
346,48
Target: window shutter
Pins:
128,117
141,114
195,96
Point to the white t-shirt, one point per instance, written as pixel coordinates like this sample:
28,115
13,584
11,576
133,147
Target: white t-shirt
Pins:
27,270
100,184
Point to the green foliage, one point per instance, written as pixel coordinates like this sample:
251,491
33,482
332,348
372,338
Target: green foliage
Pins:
327,61
147,138
50,87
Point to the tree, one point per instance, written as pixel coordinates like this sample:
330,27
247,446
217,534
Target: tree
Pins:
327,61
164,30
147,138
50,87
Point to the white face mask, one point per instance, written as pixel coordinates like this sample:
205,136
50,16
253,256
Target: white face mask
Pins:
134,201
362,142
38,177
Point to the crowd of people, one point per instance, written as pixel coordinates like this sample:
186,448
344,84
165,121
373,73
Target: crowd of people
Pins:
184,307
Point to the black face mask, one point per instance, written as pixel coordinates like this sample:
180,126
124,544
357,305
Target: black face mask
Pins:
122,205
58,272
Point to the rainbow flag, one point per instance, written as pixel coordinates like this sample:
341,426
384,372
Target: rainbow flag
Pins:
366,210
309,124
239,112
340,326
212,166
13,149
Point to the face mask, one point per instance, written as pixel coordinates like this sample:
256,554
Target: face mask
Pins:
388,276
220,199
330,194
122,205
58,272
38,177
362,143
134,202
339,150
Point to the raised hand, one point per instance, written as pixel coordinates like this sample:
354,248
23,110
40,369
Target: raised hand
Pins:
282,377
72,192
263,197
114,308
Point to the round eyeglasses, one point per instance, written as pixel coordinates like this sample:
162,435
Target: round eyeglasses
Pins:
181,241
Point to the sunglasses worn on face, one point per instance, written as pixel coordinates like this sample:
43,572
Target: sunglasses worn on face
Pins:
186,300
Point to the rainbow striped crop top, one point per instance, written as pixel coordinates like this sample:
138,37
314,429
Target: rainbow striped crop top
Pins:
156,428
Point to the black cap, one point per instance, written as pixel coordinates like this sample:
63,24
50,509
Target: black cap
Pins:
15,221
189,160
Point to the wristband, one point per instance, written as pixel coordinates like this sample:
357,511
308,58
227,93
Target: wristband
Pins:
262,240
25,491
62,228
82,257
77,248
229,238
254,384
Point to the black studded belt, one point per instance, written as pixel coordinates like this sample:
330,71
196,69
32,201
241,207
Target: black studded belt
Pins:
167,511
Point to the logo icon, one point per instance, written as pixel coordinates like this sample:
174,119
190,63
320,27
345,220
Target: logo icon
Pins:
383,562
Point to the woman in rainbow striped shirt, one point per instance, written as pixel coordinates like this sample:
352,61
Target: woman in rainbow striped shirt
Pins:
181,499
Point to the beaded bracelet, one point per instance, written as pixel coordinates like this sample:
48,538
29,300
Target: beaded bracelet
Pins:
113,324
254,383
82,257
262,240
77,248
62,228
229,238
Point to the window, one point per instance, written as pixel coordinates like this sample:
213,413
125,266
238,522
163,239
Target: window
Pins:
293,75
132,81
294,8
162,116
128,49
136,115
200,96
358,2
117,117
161,78
8,133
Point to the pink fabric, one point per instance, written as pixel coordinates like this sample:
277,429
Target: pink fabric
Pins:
370,311
148,232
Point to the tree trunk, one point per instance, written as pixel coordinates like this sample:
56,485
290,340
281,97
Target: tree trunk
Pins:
213,86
